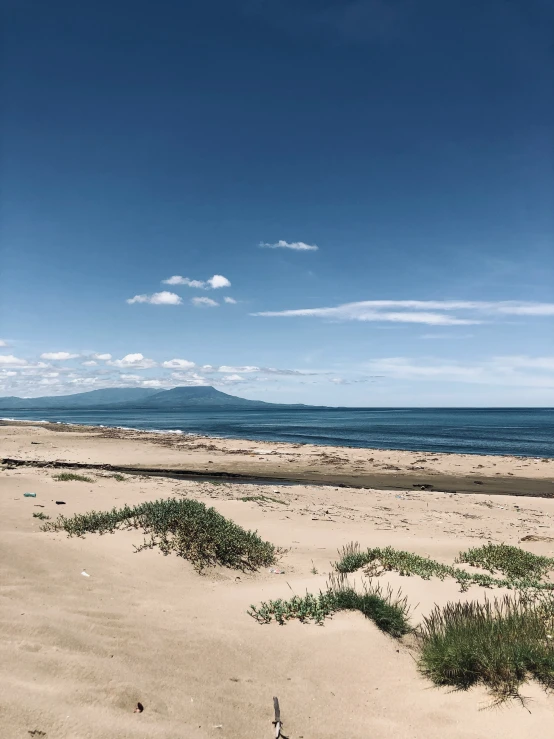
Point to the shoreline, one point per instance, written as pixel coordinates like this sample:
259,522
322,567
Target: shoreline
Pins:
196,457
66,425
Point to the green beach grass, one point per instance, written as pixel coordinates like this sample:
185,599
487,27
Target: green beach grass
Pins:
185,527
389,611
72,476
500,644
521,569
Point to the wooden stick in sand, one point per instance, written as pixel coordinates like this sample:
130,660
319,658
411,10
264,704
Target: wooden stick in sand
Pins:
278,724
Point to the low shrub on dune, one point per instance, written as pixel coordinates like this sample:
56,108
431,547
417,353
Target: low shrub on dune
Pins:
513,562
389,611
186,527
521,569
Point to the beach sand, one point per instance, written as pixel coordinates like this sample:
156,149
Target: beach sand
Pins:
375,468
77,653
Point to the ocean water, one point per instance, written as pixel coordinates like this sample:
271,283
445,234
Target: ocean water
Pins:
526,432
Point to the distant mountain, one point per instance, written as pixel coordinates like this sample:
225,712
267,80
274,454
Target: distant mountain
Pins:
92,399
134,398
192,397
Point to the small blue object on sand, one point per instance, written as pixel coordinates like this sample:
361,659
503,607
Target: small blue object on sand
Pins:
29,495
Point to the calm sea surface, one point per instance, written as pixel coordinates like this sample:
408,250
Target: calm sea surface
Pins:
519,431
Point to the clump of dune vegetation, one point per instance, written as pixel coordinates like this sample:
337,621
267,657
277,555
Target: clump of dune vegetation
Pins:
500,644
262,499
389,611
522,569
511,561
72,476
186,527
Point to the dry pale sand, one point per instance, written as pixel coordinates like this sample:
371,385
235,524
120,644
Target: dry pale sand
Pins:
78,653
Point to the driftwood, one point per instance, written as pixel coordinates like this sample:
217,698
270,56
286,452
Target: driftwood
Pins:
278,724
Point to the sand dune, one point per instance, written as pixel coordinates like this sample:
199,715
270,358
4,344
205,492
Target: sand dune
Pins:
77,653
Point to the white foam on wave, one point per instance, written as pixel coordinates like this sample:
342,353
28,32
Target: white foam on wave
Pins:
178,432
147,431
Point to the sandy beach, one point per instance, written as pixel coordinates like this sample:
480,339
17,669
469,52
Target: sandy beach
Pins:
229,458
78,653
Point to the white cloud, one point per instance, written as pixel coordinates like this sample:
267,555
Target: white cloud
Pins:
207,302
85,381
403,368
218,281
215,282
130,378
58,355
35,369
90,363
3,343
227,369
192,379
526,309
275,371
178,364
234,378
354,312
8,360
103,357
152,383
429,318
134,361
501,371
163,298
514,362
138,299
8,373
355,380
295,245
229,300
178,280
430,312
253,369
249,369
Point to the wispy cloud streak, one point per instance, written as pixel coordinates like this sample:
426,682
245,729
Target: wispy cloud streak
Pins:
430,312
294,245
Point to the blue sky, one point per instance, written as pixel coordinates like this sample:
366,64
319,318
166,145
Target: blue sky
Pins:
410,142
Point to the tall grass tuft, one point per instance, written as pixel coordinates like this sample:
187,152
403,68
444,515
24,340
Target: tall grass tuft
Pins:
352,558
389,611
499,644
186,527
